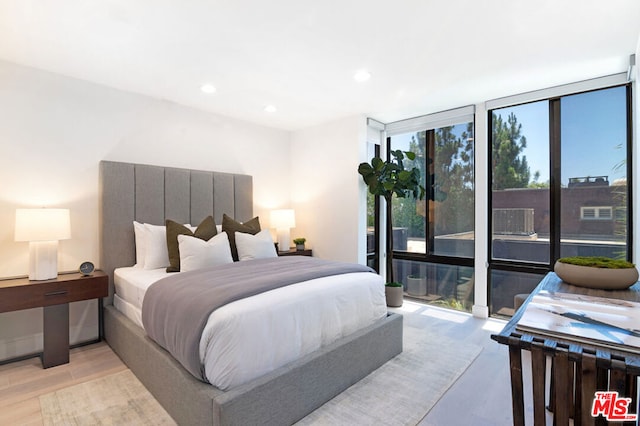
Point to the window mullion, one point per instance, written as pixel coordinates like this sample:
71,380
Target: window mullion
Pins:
554,179
430,181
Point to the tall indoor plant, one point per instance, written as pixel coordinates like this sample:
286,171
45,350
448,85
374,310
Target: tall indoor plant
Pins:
386,178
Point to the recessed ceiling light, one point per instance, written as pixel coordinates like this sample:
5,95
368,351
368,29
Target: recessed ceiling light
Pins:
208,88
270,108
361,76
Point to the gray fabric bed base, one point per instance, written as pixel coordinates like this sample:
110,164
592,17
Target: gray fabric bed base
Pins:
281,397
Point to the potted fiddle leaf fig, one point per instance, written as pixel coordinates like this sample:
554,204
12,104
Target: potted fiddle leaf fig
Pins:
388,179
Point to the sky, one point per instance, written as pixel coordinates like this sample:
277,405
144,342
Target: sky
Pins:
593,134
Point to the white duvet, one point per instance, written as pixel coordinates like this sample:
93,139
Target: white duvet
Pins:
250,337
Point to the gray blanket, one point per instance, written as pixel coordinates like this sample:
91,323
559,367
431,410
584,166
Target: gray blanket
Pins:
175,309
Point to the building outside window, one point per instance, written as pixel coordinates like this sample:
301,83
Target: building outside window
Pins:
559,169
433,239
559,185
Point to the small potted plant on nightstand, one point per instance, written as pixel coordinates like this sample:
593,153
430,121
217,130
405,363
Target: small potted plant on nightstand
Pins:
299,242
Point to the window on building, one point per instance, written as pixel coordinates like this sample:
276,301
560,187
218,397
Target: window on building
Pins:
596,213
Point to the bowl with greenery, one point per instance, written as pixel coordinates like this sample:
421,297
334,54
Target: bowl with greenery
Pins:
596,272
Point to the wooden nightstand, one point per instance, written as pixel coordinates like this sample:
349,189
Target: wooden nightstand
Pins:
294,252
54,296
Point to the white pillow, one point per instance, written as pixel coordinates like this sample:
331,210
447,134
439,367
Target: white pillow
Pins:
196,253
140,233
258,246
156,254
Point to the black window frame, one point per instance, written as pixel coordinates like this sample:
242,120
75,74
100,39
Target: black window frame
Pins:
555,144
427,257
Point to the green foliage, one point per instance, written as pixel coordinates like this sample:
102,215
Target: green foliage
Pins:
450,182
510,168
453,175
450,303
393,284
389,178
597,262
300,240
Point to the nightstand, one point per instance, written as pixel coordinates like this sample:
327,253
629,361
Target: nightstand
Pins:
294,252
54,296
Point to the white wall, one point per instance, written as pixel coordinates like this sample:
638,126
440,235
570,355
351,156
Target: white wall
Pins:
326,191
54,132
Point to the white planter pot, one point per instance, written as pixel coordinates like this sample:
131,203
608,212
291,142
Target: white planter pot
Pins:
601,278
394,296
417,286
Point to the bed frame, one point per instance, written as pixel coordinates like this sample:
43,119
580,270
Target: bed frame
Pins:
150,194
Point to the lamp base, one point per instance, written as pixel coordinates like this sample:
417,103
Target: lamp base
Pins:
283,239
43,260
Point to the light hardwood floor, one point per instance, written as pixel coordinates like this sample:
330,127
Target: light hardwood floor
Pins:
481,396
22,383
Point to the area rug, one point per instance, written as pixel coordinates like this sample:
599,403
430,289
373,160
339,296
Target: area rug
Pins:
117,399
403,390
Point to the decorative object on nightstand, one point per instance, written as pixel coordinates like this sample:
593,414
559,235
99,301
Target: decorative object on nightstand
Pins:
299,242
42,228
86,268
283,220
54,296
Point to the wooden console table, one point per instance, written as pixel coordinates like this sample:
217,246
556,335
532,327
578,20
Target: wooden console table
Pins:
578,369
54,296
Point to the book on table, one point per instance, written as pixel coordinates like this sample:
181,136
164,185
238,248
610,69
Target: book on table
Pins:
585,319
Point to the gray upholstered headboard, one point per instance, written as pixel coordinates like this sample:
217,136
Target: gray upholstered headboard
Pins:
152,194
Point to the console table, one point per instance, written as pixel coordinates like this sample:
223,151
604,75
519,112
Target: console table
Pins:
54,296
577,369
294,252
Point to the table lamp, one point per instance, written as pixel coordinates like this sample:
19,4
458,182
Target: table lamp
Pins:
42,228
283,220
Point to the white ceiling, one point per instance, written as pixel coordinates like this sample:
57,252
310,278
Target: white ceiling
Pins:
300,55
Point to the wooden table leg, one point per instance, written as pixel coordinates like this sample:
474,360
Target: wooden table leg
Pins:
563,387
56,335
538,373
517,397
587,391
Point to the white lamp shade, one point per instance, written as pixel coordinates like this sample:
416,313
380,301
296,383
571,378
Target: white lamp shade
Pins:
42,225
284,218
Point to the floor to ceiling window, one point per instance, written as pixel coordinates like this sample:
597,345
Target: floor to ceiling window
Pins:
559,186
433,239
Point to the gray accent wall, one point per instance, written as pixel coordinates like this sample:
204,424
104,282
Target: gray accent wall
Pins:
152,194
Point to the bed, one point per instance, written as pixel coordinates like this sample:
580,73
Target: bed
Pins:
284,395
